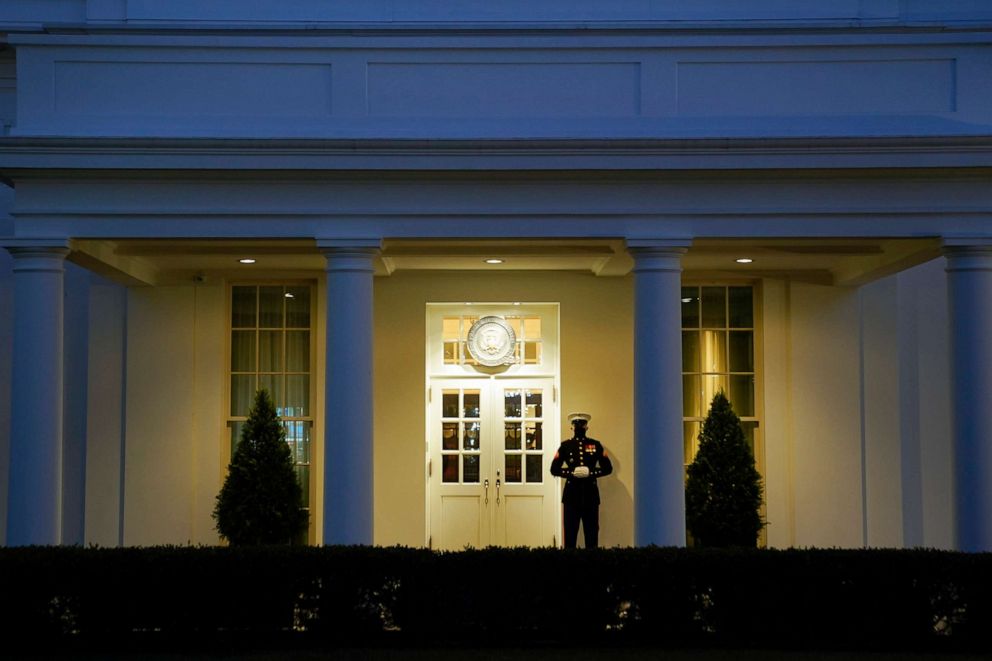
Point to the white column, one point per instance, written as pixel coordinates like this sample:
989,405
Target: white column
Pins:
969,289
35,486
348,470
659,494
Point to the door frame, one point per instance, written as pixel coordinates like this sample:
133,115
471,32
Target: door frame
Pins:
549,368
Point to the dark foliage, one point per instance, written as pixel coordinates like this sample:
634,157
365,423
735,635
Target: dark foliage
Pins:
723,488
158,598
260,502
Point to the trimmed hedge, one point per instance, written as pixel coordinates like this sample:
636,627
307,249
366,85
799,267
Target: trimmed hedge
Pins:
363,595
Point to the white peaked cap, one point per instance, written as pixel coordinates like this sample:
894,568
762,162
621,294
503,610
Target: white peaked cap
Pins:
572,417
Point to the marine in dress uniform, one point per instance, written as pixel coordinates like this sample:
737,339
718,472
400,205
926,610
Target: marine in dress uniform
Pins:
580,460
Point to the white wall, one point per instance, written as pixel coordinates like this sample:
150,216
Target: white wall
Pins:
105,419
882,374
843,370
596,376
76,341
210,390
857,427
777,432
175,367
826,416
165,347
856,410
927,472
909,452
813,415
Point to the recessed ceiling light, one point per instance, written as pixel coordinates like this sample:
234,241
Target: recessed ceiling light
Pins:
288,295
494,260
744,260
516,302
247,260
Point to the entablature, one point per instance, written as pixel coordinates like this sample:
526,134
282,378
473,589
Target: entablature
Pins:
566,85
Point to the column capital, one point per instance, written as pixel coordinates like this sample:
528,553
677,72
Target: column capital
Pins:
669,245
37,254
967,253
350,254
658,254
21,245
951,242
357,245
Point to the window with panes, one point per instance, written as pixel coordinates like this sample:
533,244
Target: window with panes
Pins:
523,436
717,354
461,435
461,426
528,349
271,347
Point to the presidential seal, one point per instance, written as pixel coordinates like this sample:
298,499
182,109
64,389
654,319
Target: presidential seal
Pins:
492,342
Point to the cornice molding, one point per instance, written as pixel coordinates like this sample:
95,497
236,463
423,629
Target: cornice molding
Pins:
51,153
616,35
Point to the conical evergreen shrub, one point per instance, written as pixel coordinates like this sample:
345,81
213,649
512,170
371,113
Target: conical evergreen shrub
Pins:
723,489
260,502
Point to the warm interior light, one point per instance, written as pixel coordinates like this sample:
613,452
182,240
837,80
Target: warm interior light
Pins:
494,260
247,260
516,302
289,295
687,300
744,260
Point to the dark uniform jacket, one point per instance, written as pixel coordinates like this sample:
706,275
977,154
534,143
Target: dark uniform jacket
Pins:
581,452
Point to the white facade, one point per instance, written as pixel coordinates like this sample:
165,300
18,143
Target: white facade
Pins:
607,152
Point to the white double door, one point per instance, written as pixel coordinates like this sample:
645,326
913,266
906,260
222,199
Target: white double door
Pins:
491,441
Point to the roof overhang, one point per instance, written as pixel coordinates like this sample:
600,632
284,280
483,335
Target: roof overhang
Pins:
843,262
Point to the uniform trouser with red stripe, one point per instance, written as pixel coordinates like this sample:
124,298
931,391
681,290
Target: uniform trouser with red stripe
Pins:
588,514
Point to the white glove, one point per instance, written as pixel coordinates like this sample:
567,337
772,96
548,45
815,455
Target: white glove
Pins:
580,472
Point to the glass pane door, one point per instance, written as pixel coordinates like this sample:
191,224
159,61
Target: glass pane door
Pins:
525,513
490,443
460,460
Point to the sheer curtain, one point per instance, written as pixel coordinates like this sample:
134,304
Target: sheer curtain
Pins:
270,348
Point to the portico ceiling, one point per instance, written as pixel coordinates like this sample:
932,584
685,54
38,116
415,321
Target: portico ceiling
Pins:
818,260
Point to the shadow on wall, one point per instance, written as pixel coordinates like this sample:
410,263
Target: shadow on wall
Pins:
616,511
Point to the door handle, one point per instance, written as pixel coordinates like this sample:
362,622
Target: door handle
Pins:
497,491
486,484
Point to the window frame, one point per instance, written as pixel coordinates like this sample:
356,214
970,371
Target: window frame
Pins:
229,421
757,415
